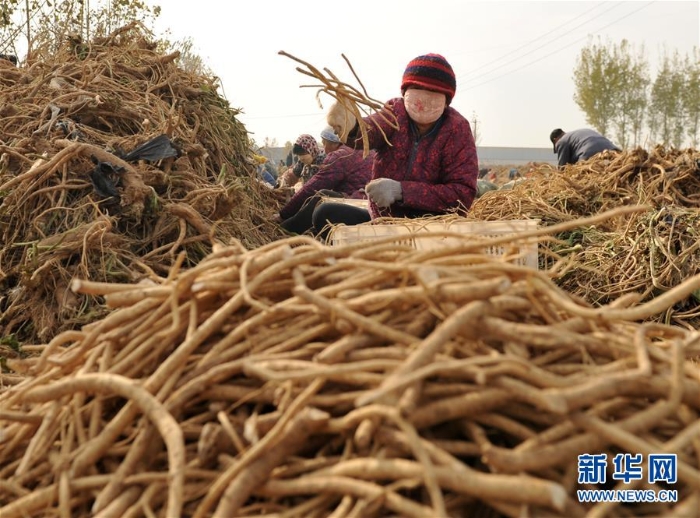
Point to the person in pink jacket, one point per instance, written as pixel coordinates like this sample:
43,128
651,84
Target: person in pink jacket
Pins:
429,165
342,174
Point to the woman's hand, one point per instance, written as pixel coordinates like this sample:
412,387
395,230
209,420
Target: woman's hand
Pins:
384,191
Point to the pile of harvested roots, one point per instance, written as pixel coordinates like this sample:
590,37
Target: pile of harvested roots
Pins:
300,380
92,103
658,178
643,253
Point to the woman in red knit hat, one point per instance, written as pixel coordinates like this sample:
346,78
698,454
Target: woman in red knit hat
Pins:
428,166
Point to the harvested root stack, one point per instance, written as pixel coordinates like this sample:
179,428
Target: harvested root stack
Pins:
645,253
99,101
659,178
655,252
367,380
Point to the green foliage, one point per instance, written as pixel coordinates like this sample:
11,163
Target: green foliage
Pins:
691,96
7,10
597,78
614,90
666,102
11,342
631,97
48,24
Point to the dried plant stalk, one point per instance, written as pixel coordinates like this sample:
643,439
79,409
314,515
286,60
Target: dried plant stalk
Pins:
357,102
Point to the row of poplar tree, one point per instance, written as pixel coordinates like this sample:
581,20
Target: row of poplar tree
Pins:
613,87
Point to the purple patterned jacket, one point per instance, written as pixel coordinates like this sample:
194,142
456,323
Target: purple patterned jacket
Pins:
343,171
438,171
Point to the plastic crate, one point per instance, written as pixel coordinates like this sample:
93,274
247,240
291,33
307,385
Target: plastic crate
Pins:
422,236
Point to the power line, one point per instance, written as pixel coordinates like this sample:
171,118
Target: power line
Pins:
510,53
479,76
283,116
560,49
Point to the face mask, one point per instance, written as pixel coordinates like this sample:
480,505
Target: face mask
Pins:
306,159
424,107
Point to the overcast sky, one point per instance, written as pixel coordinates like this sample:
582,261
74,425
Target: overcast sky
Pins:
514,61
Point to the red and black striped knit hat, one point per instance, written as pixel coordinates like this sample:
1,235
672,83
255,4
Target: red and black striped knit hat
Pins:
431,72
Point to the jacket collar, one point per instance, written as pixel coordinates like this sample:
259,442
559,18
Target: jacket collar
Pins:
433,130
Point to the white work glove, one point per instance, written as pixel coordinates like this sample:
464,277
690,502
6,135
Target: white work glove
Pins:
341,119
384,191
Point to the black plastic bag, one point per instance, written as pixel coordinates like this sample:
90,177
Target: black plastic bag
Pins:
155,149
9,57
102,178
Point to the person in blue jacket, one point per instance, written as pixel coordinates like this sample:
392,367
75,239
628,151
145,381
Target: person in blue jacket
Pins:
580,144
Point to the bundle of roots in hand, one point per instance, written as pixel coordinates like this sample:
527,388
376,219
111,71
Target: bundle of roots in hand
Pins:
354,102
63,217
643,253
301,380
